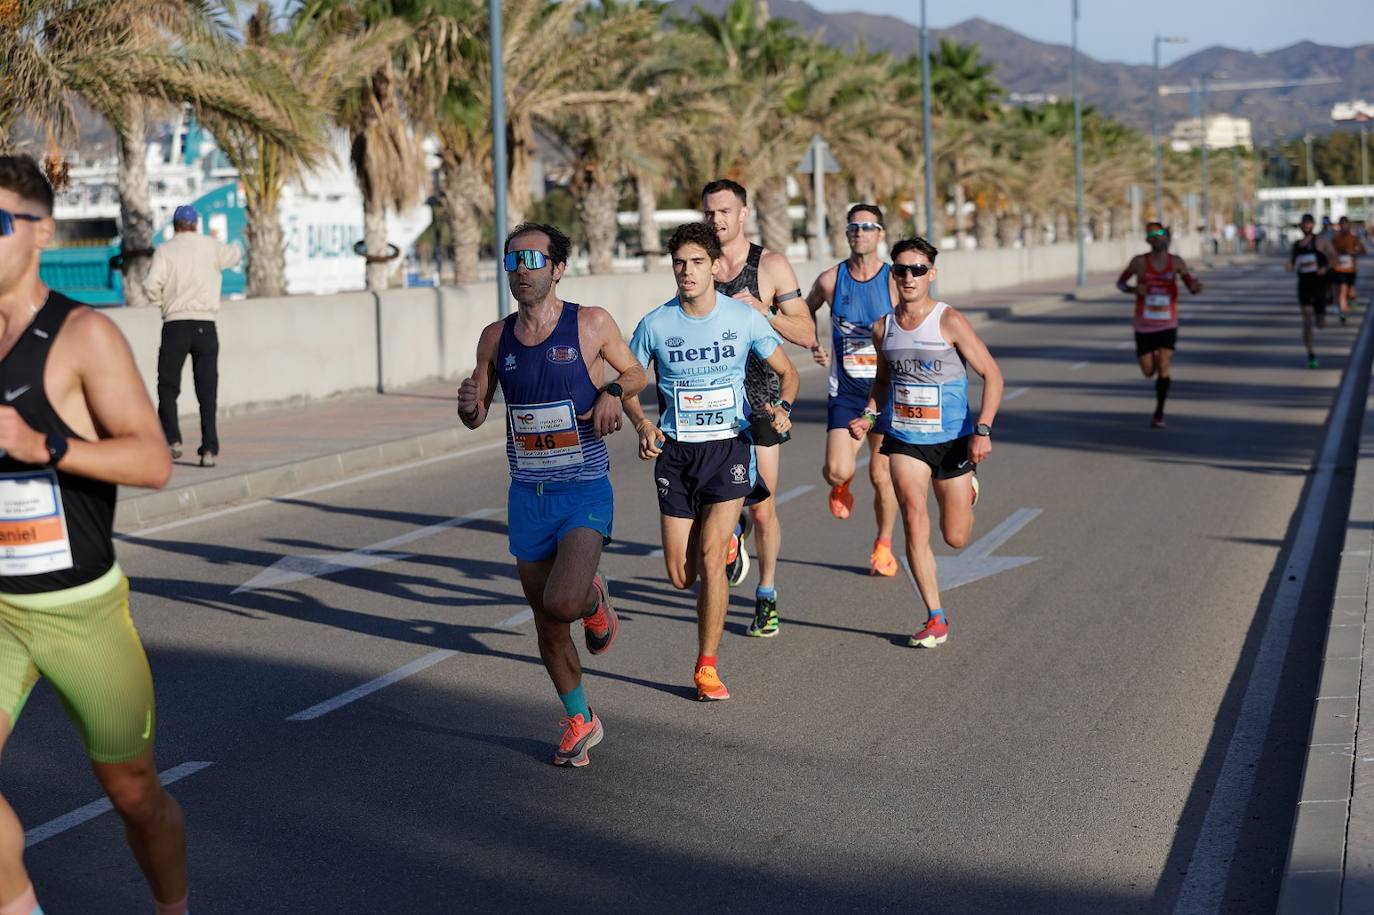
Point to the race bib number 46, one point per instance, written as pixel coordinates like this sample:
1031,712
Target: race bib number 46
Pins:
916,407
33,528
705,414
545,435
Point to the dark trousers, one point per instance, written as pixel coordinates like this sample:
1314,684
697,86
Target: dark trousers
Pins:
198,340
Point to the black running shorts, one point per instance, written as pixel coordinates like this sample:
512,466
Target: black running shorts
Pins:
1160,339
690,475
946,460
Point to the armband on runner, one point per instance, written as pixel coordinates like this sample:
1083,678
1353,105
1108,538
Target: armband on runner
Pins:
787,297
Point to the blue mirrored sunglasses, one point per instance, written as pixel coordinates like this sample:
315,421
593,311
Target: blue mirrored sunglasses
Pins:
7,221
532,260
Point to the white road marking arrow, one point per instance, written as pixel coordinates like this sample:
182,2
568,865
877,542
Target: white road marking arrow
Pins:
291,569
976,561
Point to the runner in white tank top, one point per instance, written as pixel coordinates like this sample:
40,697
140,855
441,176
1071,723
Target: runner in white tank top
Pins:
924,350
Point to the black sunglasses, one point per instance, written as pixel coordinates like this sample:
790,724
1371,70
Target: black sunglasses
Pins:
902,271
7,221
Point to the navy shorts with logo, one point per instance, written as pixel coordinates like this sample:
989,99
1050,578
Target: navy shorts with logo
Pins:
946,460
690,475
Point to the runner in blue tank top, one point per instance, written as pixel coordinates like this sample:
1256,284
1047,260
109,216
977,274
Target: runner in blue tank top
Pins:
860,293
699,344
921,391
549,358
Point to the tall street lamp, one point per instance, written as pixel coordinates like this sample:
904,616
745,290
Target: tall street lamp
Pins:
1078,157
925,128
498,145
1154,121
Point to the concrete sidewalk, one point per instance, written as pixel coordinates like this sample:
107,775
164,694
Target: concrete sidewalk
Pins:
273,453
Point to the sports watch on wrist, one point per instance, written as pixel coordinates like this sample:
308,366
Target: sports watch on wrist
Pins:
614,390
982,429
57,449
786,407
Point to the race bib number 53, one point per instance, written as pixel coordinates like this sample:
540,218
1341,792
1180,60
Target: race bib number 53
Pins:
916,407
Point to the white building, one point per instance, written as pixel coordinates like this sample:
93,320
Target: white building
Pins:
1223,132
1353,110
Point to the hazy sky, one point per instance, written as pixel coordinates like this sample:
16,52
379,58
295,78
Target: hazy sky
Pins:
1123,31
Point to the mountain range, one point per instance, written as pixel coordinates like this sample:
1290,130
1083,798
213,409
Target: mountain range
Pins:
1028,67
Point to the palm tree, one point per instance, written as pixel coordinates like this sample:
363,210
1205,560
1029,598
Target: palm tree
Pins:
121,57
758,57
383,108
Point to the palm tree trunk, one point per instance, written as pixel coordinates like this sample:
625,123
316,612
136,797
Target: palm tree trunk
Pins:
650,240
775,226
466,197
266,251
598,210
836,210
374,238
135,204
1008,230
1061,228
518,198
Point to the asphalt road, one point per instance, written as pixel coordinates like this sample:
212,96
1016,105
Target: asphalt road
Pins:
1057,755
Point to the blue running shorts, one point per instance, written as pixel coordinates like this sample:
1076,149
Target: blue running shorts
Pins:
539,515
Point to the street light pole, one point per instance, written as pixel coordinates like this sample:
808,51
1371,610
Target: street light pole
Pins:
1364,168
1206,178
1078,157
498,145
925,129
1154,123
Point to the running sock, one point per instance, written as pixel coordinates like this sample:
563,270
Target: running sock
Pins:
596,602
26,904
575,703
1161,393
171,908
703,660
762,593
936,612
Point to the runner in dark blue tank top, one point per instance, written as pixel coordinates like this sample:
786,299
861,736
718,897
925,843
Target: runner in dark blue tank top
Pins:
860,293
550,360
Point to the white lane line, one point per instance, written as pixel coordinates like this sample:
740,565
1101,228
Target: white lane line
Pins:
291,569
1125,344
1012,395
1079,365
524,616
976,561
371,686
1206,874
94,809
311,490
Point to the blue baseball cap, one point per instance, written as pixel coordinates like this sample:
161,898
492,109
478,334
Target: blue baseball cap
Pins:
186,214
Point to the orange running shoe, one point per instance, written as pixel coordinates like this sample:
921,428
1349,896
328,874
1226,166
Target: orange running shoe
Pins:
579,736
600,628
881,561
709,687
841,500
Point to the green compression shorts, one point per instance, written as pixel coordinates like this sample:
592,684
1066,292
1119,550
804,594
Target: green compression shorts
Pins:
83,640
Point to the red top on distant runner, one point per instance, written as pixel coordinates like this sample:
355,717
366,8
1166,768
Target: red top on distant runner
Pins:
1156,298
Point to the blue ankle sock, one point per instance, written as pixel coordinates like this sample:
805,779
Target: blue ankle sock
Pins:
937,612
739,528
762,593
576,704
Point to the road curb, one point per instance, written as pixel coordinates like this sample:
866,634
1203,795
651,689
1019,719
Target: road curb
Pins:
173,504
1330,864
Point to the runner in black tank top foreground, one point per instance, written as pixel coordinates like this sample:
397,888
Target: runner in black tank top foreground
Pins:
1309,261
75,421
765,280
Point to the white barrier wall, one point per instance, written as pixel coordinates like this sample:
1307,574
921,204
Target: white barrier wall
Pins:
275,352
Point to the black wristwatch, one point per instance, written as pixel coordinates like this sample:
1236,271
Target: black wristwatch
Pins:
982,429
614,390
786,407
57,449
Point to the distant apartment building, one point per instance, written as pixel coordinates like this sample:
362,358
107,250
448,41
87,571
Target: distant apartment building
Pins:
1353,110
1223,132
